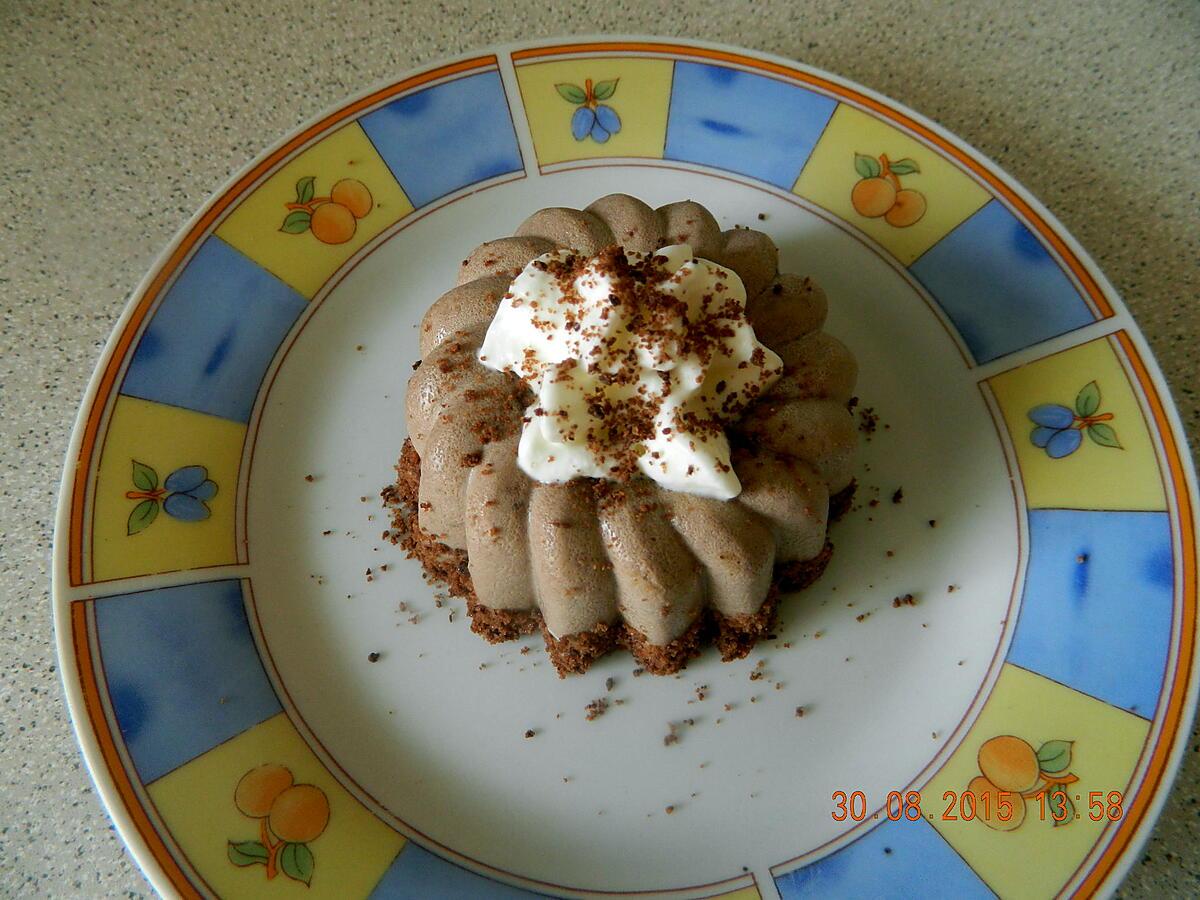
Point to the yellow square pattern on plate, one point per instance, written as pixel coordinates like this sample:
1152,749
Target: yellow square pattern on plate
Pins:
833,172
270,226
1097,743
640,98
200,804
1095,475
134,529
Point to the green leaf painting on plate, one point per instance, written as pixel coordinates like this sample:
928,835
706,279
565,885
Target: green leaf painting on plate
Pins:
296,222
305,188
1054,756
144,477
297,863
1087,401
605,89
866,166
247,853
572,93
142,516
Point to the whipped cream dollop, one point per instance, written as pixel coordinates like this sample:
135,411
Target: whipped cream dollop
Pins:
636,363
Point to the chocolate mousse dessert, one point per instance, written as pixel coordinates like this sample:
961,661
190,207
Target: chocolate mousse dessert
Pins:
627,429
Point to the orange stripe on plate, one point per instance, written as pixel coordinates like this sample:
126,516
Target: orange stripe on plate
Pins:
997,185
112,759
1157,769
108,378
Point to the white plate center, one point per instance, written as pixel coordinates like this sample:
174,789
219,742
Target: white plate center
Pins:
434,730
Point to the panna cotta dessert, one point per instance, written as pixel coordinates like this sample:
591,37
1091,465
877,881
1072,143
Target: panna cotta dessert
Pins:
627,429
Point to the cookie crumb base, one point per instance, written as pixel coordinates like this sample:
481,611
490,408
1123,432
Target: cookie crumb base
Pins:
669,658
499,625
733,636
736,636
573,654
796,576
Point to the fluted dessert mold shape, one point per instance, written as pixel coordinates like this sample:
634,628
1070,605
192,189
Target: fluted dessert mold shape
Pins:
598,563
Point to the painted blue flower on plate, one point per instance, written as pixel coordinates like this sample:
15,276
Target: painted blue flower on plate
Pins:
1060,429
592,119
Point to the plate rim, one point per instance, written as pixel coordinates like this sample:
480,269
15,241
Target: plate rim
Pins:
61,587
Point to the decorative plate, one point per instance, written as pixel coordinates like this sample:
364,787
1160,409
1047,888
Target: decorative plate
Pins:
987,693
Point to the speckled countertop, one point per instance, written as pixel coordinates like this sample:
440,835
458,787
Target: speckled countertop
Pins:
118,119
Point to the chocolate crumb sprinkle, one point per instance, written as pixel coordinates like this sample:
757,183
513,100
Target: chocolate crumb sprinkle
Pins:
868,421
596,709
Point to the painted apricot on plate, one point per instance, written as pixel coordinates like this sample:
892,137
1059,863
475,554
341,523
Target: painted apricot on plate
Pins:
992,805
300,814
333,223
1009,763
352,194
907,209
873,197
259,788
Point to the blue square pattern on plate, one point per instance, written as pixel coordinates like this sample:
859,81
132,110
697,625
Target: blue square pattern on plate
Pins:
182,670
896,859
417,874
213,335
744,123
999,286
1096,615
445,137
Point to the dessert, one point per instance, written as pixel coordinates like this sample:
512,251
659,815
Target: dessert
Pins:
627,428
